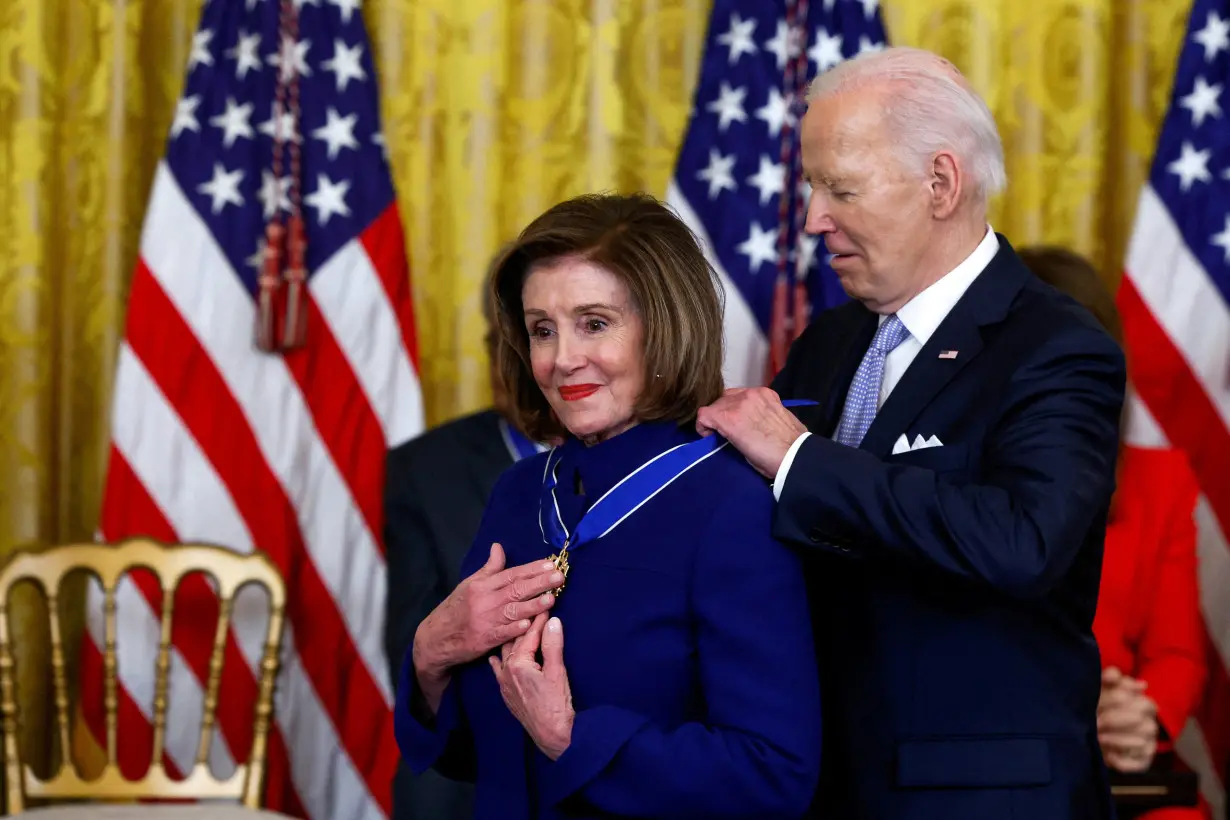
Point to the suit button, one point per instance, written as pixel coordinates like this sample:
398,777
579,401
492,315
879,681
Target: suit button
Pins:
816,536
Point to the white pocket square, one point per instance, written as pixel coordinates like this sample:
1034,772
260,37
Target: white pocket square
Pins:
903,444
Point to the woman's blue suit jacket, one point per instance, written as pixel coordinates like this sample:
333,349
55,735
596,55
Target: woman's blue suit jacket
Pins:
687,641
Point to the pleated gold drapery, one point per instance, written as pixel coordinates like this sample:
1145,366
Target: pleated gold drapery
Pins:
493,109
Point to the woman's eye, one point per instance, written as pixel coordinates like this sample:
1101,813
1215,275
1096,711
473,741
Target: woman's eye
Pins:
540,332
594,325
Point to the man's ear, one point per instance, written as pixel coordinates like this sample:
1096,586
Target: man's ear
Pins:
947,181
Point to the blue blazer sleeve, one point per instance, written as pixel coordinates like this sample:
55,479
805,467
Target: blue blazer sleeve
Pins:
446,745
1047,469
756,751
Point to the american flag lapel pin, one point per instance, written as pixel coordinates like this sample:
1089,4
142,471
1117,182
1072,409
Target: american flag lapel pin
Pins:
948,354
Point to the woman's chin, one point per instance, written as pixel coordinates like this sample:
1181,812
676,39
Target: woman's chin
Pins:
594,427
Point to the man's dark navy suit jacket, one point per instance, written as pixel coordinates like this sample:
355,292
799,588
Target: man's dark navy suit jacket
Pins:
954,587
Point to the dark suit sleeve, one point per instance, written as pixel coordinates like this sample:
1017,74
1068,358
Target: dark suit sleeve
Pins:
416,578
755,751
1047,471
784,380
443,742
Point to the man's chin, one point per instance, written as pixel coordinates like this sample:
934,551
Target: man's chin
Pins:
847,275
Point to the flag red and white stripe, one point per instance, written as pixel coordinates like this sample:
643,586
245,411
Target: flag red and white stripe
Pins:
1178,335
1175,304
215,441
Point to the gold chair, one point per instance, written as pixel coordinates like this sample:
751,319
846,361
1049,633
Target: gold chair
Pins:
169,563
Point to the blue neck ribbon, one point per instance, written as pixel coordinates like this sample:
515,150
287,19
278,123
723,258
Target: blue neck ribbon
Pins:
629,495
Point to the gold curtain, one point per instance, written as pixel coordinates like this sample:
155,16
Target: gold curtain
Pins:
494,109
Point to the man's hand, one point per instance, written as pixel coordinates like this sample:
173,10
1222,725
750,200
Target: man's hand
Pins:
755,422
538,695
1127,722
491,607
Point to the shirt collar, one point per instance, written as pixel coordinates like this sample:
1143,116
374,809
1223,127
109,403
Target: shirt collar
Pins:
602,465
924,313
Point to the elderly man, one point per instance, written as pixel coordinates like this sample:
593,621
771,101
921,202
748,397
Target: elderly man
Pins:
952,484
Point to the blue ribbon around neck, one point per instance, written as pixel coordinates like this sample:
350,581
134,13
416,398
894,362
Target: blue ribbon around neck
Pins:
626,497
519,446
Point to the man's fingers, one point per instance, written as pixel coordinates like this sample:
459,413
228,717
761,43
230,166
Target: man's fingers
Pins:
553,649
706,421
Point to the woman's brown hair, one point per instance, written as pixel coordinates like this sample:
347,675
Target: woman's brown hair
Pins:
1074,275
674,290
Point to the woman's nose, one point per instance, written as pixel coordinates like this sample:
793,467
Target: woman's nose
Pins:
569,354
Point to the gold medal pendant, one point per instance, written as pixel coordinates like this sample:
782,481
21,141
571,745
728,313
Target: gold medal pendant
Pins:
560,562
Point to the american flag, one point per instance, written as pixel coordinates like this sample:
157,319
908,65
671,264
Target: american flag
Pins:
215,440
1175,301
738,180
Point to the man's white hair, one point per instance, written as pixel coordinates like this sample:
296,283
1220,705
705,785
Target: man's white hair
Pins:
929,108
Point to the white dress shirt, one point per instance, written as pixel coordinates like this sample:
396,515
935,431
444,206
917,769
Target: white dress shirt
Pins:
921,316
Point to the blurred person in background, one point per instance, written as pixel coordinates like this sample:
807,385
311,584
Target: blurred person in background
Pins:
436,487
1148,623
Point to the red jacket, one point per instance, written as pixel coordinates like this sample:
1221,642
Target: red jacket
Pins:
1148,620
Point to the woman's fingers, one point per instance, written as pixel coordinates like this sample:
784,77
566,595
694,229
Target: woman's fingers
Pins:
527,645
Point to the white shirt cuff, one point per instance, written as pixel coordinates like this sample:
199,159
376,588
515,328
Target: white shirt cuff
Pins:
780,481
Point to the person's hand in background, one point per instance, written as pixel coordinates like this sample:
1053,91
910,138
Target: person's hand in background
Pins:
1127,722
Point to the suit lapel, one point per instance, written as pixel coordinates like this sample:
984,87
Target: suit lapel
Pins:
986,302
923,380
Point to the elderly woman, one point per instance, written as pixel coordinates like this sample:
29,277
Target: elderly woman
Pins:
688,687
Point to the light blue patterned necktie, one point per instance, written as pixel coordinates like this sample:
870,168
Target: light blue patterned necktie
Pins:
863,398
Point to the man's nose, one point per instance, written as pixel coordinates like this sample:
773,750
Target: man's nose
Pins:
819,219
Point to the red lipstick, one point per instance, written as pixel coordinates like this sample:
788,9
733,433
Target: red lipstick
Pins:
576,392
